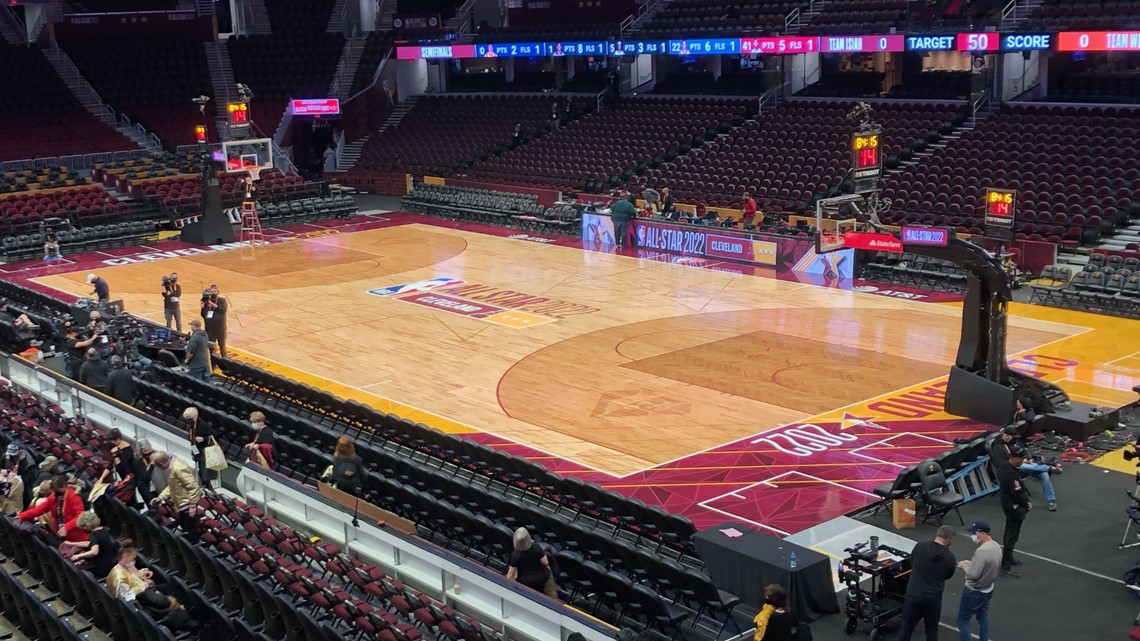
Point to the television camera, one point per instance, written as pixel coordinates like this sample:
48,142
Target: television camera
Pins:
888,569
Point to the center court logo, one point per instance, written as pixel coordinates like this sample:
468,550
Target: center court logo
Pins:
419,286
482,302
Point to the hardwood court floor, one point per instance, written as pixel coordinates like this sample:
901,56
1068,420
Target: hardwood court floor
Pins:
616,363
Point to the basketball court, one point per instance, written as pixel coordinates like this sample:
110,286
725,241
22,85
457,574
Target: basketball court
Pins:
713,393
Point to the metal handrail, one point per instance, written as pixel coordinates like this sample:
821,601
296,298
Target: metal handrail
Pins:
76,161
791,19
16,22
375,74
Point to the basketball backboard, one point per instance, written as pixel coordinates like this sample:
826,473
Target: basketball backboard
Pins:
251,156
832,221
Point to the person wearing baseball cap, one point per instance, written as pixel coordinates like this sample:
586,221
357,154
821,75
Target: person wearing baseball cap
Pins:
932,563
102,291
981,574
1016,505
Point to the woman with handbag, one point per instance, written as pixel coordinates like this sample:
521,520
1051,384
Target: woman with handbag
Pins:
123,467
261,447
201,437
530,566
347,467
99,553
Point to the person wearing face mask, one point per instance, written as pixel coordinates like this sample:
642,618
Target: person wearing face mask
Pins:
981,574
182,489
261,447
63,506
136,585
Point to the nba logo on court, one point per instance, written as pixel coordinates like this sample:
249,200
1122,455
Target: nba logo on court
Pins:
419,286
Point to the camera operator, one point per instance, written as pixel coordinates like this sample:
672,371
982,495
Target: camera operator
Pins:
214,310
93,372
171,295
102,290
75,345
121,381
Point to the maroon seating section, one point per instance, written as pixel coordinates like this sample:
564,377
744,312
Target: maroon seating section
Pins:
60,126
185,193
712,17
25,210
789,154
277,67
442,131
610,144
152,81
1083,14
1075,169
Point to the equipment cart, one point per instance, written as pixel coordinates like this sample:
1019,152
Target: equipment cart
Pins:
887,571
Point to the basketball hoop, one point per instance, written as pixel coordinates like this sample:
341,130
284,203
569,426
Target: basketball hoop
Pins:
255,173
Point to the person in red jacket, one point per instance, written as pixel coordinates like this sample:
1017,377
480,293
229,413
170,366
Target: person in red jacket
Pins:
64,507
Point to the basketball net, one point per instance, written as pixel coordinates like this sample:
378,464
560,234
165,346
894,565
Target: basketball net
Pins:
254,173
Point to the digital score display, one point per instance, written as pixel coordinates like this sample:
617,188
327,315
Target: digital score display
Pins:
514,50
315,107
598,48
978,42
930,43
866,156
440,52
1098,41
638,48
238,113
704,46
200,134
862,44
1026,41
780,45
930,236
1000,207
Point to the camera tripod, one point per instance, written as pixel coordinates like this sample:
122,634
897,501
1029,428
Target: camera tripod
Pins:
1133,517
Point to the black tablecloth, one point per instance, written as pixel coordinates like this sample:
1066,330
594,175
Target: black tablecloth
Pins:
745,564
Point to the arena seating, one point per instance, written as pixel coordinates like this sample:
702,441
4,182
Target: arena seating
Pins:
182,195
713,17
376,46
151,80
917,271
538,33
82,204
117,174
463,495
1106,284
281,66
605,149
443,133
846,84
790,154
1074,171
39,117
298,16
477,80
1121,88
860,16
39,178
586,81
1083,14
493,207
939,85
89,238
107,6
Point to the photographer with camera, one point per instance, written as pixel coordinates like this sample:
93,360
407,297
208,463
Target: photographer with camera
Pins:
214,309
171,295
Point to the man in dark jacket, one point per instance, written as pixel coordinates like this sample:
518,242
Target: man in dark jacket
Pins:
932,563
1015,503
93,372
214,310
622,212
198,352
121,382
101,290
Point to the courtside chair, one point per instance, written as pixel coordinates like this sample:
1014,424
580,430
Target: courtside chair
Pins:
936,493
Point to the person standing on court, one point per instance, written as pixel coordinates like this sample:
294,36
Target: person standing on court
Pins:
981,573
171,305
102,290
932,563
622,212
1016,505
198,352
214,309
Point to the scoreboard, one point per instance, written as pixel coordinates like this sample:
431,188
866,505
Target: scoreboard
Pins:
1001,204
866,154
